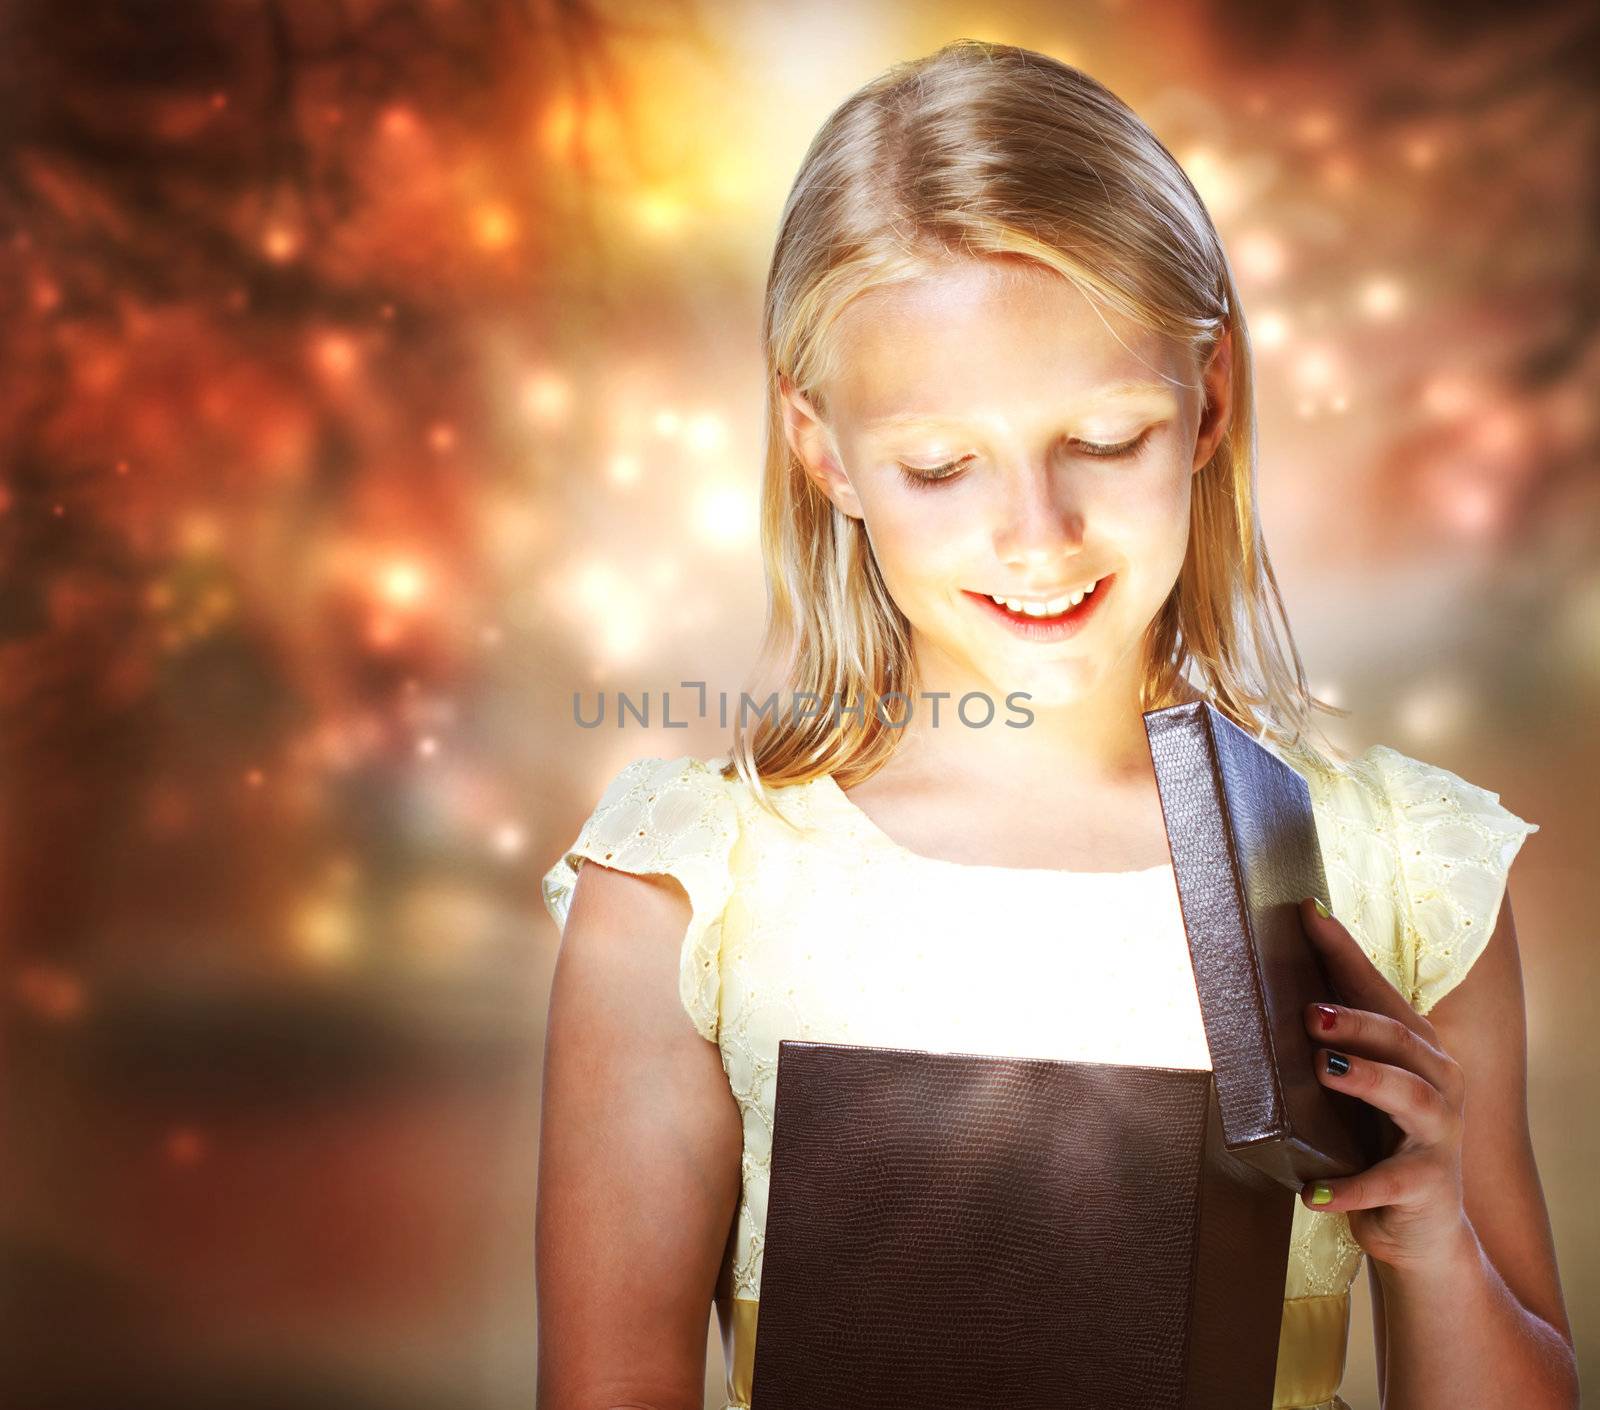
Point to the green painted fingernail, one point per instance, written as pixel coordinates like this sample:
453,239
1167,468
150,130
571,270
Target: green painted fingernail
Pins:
1322,910
1321,1193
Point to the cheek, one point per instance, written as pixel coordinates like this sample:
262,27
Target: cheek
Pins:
918,535
1149,513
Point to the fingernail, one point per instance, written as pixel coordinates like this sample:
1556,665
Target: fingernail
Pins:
1321,1193
1322,910
1338,1064
1326,1016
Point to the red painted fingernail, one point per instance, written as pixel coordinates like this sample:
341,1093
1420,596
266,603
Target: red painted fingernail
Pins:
1326,1016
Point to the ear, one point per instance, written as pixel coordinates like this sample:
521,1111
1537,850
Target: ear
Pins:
813,446
1218,411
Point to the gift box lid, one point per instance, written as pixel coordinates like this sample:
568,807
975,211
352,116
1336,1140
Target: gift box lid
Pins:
1244,847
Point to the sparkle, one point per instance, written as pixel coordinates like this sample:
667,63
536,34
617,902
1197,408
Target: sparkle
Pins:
49,991
546,397
1219,188
1271,330
1381,298
724,515
1473,508
1262,256
398,122
597,585
1327,690
184,1146
1316,369
659,214
402,583
279,244
1421,153
323,933
706,432
200,533
494,227
336,354
1432,711
559,124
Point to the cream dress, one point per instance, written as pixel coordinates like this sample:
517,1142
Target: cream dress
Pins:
833,932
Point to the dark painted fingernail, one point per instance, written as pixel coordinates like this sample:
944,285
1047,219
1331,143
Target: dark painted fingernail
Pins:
1326,1016
1338,1064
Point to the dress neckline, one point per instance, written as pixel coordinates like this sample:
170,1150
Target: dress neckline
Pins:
868,830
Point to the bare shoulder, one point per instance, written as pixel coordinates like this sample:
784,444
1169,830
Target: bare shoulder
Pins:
623,931
614,999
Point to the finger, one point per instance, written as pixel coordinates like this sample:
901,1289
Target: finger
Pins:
1416,1105
1395,1181
1359,982
1375,1035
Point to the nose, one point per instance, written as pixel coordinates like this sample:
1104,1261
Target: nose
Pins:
1040,521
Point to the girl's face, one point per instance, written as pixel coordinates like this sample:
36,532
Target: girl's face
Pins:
998,439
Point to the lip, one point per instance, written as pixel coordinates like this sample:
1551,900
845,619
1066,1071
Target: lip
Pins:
1032,629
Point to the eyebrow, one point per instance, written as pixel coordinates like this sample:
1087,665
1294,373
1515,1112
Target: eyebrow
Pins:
1129,391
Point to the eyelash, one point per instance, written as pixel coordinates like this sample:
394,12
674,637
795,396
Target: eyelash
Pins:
937,473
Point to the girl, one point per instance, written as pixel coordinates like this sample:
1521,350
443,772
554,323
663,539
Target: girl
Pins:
1009,506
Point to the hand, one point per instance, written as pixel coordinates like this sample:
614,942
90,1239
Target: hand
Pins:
1406,1210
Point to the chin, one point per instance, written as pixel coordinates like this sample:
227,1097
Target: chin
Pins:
1047,685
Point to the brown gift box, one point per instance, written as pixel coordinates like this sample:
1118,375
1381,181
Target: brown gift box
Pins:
960,1230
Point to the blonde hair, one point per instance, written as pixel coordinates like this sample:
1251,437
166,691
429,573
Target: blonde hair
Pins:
990,150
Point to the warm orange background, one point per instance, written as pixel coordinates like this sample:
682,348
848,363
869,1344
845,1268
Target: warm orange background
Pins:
378,375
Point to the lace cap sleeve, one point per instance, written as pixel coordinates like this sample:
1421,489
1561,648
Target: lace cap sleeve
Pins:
671,816
1456,844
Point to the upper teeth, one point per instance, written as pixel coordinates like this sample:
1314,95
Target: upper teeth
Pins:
1046,609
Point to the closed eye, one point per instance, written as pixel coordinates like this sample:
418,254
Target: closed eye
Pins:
924,475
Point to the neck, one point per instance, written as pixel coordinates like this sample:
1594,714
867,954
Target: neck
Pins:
1096,740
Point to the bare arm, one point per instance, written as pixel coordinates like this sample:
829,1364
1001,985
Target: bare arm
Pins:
639,1159
1486,1324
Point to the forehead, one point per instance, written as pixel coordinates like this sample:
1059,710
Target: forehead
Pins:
978,337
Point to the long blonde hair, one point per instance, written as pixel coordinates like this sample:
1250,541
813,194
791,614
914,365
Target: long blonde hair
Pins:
990,150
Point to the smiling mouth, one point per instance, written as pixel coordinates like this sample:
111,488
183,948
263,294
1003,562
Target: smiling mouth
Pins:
1047,620
1046,608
